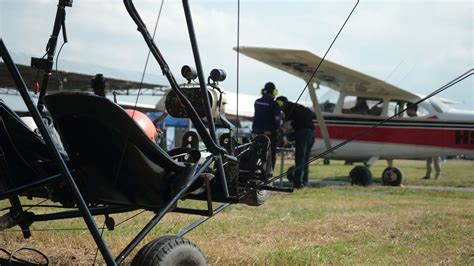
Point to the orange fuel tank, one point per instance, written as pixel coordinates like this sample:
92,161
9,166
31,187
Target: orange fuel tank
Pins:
144,122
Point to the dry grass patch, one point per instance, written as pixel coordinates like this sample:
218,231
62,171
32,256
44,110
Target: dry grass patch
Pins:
335,225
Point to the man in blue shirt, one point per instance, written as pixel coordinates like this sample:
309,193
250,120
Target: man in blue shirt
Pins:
268,116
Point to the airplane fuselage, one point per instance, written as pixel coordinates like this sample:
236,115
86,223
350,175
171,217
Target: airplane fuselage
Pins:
395,139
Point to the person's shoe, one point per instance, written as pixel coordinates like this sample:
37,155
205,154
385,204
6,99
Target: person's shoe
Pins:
437,176
299,186
426,177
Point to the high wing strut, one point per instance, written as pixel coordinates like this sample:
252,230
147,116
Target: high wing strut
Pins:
319,114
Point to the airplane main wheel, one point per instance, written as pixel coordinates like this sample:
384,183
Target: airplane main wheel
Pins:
170,250
392,176
360,175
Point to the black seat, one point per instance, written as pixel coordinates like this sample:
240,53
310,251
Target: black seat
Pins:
25,157
115,159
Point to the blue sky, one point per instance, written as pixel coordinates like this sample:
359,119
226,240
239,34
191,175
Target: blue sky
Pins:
416,45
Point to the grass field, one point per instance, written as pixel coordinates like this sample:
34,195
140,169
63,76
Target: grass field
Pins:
454,173
330,225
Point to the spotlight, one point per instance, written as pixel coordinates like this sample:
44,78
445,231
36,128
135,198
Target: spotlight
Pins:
188,73
217,74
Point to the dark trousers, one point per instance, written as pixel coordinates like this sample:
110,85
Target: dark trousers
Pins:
304,140
273,147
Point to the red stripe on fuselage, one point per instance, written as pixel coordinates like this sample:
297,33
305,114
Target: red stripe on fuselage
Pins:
436,137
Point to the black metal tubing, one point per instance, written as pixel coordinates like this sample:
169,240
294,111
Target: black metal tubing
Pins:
202,84
241,146
43,182
210,210
206,137
75,214
51,49
200,197
191,211
266,187
197,61
201,220
157,218
19,215
20,83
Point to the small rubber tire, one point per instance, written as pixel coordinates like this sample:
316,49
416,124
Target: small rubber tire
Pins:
392,176
290,174
169,251
256,197
360,175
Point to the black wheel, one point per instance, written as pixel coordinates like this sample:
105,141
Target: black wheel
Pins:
326,162
290,174
392,176
263,168
360,175
256,198
169,250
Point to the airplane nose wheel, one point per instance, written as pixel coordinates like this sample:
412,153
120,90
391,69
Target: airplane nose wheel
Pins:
360,175
392,176
170,250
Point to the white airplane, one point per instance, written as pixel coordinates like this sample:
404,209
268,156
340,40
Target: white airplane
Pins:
436,130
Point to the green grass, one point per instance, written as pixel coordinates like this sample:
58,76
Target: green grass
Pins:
454,173
329,225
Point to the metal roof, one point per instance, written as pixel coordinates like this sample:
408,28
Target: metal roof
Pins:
77,76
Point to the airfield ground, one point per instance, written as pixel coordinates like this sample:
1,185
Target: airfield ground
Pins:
334,225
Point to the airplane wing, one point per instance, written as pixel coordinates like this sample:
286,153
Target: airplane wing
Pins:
302,64
142,107
71,80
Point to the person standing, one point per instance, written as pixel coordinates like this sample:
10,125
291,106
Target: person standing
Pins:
268,117
434,160
412,111
302,122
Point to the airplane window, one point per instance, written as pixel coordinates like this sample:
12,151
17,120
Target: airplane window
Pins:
394,107
362,105
328,107
349,101
437,107
327,99
411,111
375,106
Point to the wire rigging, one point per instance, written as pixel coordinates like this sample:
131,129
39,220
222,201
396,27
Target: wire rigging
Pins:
148,55
101,235
238,65
13,259
60,83
119,167
322,59
36,205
